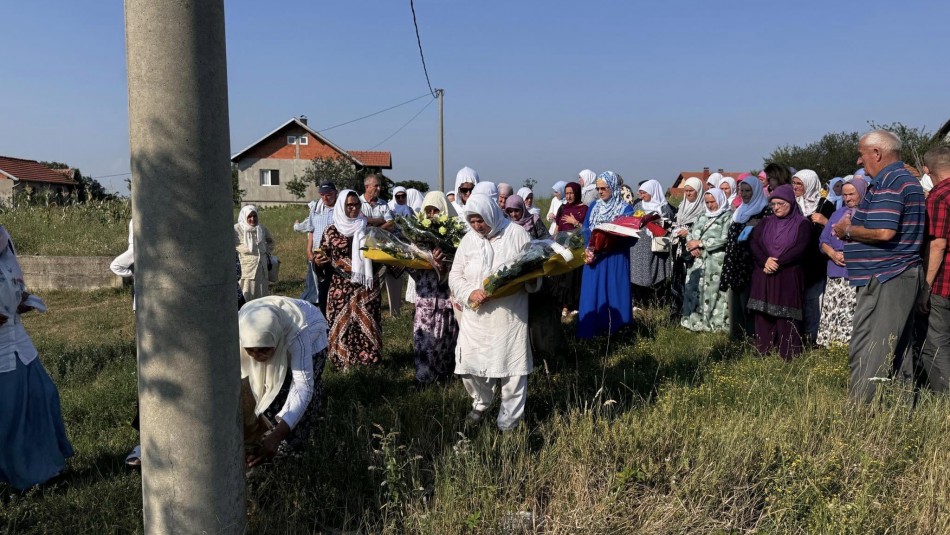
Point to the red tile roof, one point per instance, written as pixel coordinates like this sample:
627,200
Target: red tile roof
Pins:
373,158
32,171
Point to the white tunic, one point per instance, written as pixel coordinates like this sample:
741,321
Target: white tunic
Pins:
493,339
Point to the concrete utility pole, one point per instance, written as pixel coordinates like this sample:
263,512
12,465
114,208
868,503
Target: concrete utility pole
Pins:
439,93
186,319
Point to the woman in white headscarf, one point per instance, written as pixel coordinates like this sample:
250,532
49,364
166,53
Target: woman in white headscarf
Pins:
465,181
283,351
556,201
528,197
649,269
834,191
414,199
690,209
705,308
738,262
487,188
434,327
588,181
254,244
815,208
713,180
399,205
33,443
728,186
353,302
493,332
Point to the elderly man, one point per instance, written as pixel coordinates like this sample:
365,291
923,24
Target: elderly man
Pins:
321,217
504,191
882,251
378,214
935,356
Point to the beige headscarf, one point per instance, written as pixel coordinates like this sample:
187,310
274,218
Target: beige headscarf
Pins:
270,321
436,199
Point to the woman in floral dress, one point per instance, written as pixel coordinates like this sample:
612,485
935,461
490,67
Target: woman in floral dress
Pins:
353,303
434,329
705,308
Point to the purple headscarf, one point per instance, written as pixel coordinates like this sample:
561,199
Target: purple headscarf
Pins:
527,218
779,233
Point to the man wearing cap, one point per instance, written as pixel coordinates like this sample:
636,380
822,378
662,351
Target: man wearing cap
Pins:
321,217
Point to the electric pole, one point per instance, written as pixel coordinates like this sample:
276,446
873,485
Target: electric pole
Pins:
186,318
439,93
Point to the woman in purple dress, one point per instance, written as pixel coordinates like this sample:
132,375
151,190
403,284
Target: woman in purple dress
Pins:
777,293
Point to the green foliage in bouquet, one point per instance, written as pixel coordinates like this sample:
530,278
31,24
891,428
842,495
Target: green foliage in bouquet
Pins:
444,232
531,259
379,239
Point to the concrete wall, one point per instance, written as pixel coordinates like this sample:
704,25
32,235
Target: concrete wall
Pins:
68,272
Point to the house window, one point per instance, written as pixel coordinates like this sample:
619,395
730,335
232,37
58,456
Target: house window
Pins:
303,140
270,177
291,140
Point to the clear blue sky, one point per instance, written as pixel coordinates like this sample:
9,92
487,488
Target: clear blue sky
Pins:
533,88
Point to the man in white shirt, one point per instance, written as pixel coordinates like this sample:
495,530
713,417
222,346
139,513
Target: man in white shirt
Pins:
321,217
378,214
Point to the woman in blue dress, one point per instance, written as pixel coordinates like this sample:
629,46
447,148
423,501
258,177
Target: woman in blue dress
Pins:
33,443
605,282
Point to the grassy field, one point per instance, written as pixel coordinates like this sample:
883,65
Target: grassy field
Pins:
655,430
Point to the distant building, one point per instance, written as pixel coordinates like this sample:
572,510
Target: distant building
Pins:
677,188
17,174
265,167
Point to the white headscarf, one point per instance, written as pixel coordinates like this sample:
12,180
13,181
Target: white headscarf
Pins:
733,188
270,321
361,268
403,210
832,196
689,212
465,174
745,211
483,206
657,197
437,199
253,236
720,197
524,193
588,180
714,180
486,188
808,202
926,182
414,199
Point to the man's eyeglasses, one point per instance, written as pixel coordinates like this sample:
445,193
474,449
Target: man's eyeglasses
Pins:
465,190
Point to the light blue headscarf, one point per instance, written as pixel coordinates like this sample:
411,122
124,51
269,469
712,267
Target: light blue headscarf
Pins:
559,188
606,211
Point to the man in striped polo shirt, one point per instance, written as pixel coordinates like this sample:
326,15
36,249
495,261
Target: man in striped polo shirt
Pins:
882,252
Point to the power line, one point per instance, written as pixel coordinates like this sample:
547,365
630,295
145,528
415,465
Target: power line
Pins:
374,113
419,42
110,176
404,125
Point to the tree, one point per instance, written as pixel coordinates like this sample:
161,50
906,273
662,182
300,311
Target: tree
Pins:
530,183
340,171
237,194
836,153
417,184
87,188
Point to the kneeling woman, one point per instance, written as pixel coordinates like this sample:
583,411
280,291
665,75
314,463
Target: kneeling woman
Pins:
283,351
493,332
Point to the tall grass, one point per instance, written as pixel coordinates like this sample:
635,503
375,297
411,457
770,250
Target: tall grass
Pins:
655,430
96,228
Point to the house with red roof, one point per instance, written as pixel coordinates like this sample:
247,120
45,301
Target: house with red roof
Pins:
30,175
265,167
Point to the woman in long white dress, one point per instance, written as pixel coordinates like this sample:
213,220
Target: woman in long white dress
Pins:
254,244
493,332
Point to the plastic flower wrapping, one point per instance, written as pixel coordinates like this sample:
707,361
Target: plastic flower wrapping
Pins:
539,258
386,248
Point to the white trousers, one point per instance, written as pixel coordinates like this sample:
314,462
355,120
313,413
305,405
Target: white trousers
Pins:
514,393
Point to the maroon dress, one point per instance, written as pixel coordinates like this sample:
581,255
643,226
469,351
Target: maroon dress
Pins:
777,299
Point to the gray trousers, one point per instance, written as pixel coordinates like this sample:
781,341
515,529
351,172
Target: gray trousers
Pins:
812,311
935,356
394,291
882,331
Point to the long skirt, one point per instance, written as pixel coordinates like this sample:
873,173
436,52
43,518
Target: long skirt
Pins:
33,443
434,335
353,314
605,296
837,312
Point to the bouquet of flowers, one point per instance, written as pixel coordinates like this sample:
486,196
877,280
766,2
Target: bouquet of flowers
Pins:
385,248
443,232
539,258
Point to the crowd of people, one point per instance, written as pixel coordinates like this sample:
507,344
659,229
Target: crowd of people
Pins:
771,258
